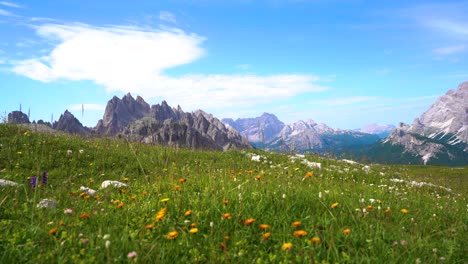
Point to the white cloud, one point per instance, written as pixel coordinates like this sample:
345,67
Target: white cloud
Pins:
10,4
87,107
453,27
448,50
345,100
130,59
2,61
167,16
5,13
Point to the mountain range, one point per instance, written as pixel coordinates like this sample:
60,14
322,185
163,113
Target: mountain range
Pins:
438,136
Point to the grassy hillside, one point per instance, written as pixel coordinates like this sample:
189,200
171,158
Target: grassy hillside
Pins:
212,207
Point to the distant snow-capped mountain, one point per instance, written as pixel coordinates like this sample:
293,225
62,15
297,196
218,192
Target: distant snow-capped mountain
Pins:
377,129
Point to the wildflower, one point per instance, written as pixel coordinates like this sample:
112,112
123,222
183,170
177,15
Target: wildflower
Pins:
116,201
149,227
96,197
182,180
227,216
370,208
225,202
106,237
334,205
19,152
120,205
53,231
258,177
44,178
387,211
193,225
222,246
122,191
87,197
309,174
193,230
132,254
263,227
125,179
60,223
403,243
300,233
315,240
84,216
286,246
144,193
133,197
249,221
108,244
163,200
69,152
81,151
160,215
266,236
84,240
320,195
404,210
176,188
68,211
188,213
172,234
32,181
346,231
296,224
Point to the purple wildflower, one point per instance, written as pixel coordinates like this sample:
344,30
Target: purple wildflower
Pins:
44,178
32,182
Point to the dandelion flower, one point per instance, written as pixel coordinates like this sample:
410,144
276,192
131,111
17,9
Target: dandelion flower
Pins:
315,240
346,231
182,180
404,210
160,214
125,179
53,231
249,221
286,246
266,236
193,230
309,174
176,188
334,205
300,233
149,227
227,216
120,205
188,213
263,227
163,200
296,224
172,234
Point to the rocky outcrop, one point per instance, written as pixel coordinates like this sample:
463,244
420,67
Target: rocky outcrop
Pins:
174,127
68,123
120,113
18,117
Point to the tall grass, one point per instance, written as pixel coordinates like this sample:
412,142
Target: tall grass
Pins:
349,214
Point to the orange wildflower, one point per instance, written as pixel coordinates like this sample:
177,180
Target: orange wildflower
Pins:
144,193
404,210
160,215
266,236
188,213
263,227
87,197
176,188
370,208
249,221
346,231
122,191
286,246
61,223
309,174
53,231
225,202
300,233
315,240
387,211
149,227
182,180
227,216
133,197
296,224
172,234
120,205
84,216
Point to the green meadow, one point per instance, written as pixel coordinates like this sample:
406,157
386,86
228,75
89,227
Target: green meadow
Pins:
191,206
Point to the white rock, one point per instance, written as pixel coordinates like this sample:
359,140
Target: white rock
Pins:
4,183
87,190
117,184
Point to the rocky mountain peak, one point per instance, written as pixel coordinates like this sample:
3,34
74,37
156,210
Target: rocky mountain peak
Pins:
68,123
18,117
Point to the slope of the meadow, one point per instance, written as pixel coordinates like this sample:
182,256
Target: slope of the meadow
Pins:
211,207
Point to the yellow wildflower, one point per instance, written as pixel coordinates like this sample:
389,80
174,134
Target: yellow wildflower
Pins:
296,224
315,240
286,246
334,205
263,227
193,230
249,221
172,234
346,231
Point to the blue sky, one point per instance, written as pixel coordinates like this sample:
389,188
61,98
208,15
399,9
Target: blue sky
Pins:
346,63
